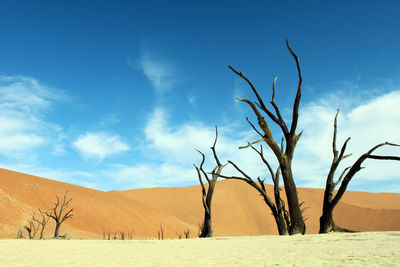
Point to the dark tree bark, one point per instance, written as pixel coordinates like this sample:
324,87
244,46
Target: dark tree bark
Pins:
206,227
327,224
285,156
60,213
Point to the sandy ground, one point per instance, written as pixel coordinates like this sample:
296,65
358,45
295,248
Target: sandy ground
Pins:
361,249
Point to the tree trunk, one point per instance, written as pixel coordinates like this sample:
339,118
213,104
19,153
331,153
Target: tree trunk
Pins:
57,230
281,224
297,225
206,229
327,224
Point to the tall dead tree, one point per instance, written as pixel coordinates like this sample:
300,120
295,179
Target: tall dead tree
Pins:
285,156
60,213
327,223
206,227
278,208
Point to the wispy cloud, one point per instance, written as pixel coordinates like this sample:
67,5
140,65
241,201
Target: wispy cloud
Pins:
192,99
99,145
24,102
161,73
109,120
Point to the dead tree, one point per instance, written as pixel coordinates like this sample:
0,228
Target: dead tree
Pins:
31,227
278,208
327,223
284,157
160,233
206,227
43,222
187,234
60,213
19,233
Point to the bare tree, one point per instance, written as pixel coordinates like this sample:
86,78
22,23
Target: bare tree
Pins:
327,223
60,213
179,235
278,208
31,227
160,233
186,233
284,156
206,227
43,222
19,233
122,235
130,233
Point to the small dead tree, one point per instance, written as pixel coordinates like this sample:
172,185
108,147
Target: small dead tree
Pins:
43,222
122,235
130,233
60,213
283,156
186,233
160,233
179,235
19,233
31,227
206,227
327,223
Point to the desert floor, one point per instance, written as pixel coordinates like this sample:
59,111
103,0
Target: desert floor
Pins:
360,249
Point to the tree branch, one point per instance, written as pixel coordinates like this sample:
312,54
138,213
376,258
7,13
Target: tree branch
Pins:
261,105
254,128
295,115
281,123
213,148
340,177
383,157
357,166
201,165
265,127
240,74
252,143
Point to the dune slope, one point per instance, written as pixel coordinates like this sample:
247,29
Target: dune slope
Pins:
237,209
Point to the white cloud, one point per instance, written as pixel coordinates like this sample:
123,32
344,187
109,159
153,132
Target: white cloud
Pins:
172,149
161,74
23,105
27,94
99,145
368,124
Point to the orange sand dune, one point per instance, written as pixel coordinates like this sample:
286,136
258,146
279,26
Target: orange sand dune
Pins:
237,209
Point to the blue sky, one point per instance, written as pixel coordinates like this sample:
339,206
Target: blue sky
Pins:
116,95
